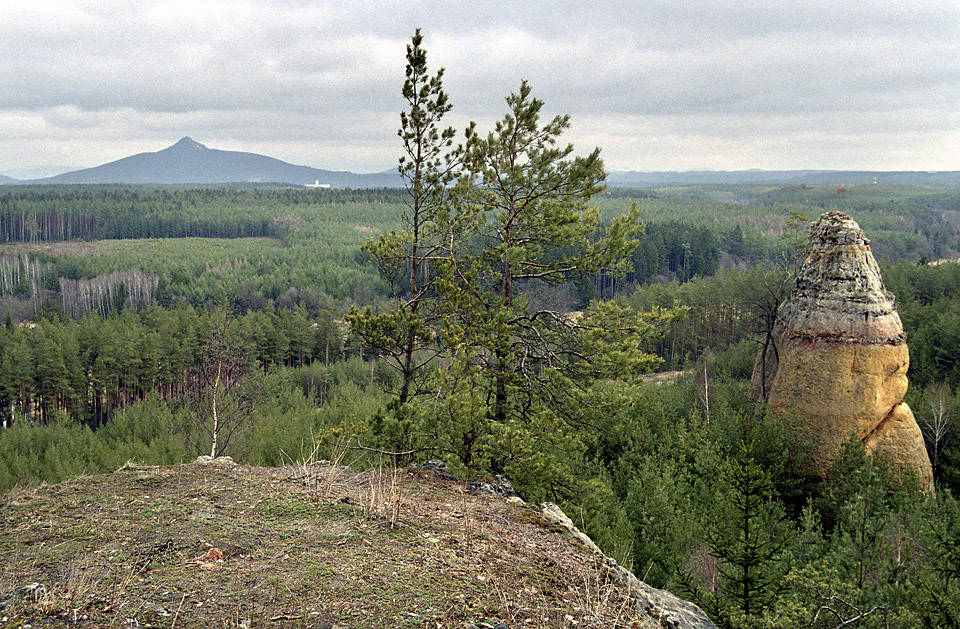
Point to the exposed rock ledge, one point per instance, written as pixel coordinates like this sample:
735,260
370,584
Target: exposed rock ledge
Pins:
672,612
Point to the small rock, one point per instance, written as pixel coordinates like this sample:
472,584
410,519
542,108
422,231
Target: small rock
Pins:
505,485
220,460
439,469
673,612
499,487
436,465
32,591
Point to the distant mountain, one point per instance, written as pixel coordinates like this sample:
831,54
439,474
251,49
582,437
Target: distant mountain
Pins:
633,179
914,177
188,161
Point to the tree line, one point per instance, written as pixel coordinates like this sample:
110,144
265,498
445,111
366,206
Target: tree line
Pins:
86,370
99,212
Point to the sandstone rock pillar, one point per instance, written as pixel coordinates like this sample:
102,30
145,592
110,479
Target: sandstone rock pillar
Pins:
841,357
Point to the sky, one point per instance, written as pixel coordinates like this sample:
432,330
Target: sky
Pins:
657,85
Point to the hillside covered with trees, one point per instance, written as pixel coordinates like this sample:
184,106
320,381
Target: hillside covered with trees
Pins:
501,313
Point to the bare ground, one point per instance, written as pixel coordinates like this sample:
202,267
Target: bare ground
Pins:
216,545
67,247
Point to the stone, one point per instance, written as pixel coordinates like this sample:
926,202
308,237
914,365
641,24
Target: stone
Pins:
206,459
668,610
499,487
31,592
839,362
435,465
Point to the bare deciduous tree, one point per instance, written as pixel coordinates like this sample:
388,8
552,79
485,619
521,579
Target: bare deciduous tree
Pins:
105,293
219,409
937,423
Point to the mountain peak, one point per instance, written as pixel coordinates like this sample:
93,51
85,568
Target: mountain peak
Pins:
188,161
186,142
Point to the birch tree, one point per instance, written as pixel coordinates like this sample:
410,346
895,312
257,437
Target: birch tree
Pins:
937,423
219,409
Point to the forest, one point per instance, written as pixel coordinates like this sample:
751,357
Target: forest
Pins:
503,313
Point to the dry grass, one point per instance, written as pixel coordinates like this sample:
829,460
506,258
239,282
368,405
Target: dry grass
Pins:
385,494
317,543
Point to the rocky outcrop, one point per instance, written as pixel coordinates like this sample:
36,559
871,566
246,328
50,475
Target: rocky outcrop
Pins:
663,608
838,361
670,611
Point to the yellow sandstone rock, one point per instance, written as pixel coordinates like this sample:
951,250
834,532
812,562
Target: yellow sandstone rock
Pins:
839,365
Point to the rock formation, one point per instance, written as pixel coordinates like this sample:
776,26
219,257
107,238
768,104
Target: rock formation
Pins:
838,361
670,611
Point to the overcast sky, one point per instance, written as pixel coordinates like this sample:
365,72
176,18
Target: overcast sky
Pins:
658,85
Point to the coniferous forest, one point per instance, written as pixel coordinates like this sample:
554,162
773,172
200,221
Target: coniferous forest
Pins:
508,314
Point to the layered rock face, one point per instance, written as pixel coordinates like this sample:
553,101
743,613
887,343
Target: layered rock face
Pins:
839,365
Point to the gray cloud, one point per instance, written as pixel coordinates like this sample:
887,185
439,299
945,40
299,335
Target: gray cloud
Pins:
721,84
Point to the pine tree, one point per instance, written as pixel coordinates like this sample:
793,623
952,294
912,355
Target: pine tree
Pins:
514,378
404,258
520,216
748,534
